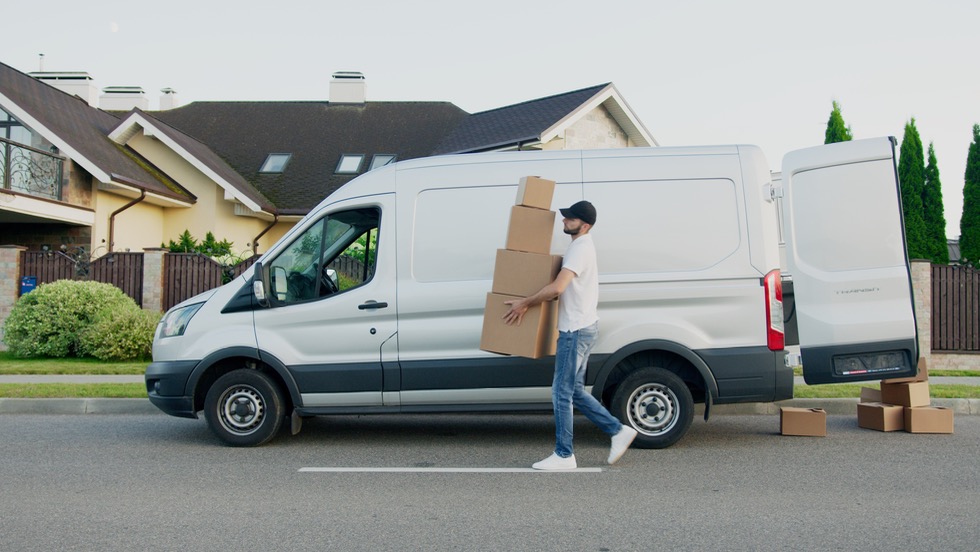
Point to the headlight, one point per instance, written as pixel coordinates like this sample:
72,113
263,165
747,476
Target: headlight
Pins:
175,322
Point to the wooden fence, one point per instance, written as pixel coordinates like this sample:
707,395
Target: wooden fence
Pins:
185,274
955,316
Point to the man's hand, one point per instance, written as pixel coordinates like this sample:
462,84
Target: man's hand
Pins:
516,313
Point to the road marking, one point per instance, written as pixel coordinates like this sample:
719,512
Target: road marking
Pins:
443,470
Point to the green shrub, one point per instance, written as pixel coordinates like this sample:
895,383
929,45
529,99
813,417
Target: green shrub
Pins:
124,334
50,320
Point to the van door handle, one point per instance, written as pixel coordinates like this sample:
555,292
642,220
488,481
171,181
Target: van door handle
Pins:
372,304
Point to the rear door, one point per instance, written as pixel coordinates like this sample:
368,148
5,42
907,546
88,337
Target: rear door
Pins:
845,247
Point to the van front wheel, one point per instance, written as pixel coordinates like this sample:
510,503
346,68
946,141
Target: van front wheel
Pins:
657,404
244,408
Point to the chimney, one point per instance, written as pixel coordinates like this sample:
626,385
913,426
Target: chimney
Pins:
123,98
348,87
76,83
168,99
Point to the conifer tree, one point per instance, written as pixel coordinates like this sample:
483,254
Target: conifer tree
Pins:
970,221
932,211
911,178
837,131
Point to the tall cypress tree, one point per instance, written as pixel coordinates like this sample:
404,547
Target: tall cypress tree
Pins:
932,211
911,178
970,221
837,131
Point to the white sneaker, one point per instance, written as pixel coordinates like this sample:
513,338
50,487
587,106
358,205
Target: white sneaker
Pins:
620,442
555,462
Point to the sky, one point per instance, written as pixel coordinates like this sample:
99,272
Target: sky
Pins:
697,72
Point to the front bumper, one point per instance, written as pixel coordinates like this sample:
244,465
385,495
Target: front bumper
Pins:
166,387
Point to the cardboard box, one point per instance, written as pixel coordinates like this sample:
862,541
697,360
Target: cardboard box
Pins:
537,336
906,394
523,274
530,230
923,374
870,395
929,419
883,417
536,192
810,422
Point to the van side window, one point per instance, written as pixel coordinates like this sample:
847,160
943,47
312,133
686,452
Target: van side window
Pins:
337,253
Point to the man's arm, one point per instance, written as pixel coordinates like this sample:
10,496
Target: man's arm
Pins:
549,292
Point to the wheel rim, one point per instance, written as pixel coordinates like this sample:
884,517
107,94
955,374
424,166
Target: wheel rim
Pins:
241,409
653,409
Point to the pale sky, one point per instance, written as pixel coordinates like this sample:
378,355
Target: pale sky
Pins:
697,72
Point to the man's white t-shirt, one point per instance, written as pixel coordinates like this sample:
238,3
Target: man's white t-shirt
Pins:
578,304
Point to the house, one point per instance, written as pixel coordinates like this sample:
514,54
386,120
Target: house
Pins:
122,177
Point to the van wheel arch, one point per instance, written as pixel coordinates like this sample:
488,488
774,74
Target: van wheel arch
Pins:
675,358
212,368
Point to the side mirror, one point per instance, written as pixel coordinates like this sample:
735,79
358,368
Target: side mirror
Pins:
259,285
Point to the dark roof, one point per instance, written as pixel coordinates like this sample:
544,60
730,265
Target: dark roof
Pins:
513,124
316,134
204,154
86,129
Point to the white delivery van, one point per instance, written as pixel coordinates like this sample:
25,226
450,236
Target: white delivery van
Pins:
373,303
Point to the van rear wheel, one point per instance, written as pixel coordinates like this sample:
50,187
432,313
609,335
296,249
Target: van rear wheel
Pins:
657,404
244,408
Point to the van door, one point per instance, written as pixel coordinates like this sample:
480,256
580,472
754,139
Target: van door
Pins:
845,247
332,304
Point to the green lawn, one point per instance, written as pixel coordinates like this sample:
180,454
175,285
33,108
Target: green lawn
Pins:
11,365
72,390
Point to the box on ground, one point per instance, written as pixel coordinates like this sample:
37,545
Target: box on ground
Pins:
883,417
905,394
530,230
810,422
537,336
536,192
923,374
929,419
870,395
523,274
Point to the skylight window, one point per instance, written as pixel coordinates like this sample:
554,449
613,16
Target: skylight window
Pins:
382,159
275,163
350,163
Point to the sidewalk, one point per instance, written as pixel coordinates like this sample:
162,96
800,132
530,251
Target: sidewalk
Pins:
968,407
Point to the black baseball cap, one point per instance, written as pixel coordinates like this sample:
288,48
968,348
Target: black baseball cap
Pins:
583,210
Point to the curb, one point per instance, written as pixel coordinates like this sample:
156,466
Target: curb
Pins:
963,407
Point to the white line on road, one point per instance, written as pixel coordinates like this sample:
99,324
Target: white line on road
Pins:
444,470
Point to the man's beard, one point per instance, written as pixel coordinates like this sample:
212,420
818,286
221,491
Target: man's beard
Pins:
573,231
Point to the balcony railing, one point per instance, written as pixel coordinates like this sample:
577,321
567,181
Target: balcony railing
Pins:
29,170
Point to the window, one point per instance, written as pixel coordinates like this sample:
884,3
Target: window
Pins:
337,253
275,163
350,163
382,159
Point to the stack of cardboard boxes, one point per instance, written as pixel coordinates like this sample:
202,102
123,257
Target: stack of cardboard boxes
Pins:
903,403
521,269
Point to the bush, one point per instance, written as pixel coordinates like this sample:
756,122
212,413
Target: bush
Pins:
52,320
125,334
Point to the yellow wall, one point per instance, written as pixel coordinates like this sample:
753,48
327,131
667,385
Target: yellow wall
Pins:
136,228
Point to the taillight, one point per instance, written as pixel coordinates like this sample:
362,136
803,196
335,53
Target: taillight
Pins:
775,334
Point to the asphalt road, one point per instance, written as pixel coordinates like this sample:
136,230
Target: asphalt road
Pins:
151,482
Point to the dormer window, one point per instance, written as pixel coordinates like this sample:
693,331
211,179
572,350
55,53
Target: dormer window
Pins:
275,163
381,159
350,163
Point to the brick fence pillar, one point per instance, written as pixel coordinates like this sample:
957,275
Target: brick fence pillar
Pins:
922,298
9,283
153,278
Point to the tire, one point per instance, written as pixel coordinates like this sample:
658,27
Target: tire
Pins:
657,404
244,408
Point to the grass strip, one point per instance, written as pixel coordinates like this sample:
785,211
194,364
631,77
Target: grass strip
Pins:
17,366
72,390
853,390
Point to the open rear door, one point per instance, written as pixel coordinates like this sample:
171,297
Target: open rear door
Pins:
845,249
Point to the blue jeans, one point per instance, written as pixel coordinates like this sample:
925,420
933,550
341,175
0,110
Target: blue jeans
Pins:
568,389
